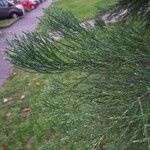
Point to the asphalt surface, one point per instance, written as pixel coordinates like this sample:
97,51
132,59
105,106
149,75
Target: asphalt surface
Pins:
27,23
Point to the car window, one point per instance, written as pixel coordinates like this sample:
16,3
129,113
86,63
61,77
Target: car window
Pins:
21,0
3,3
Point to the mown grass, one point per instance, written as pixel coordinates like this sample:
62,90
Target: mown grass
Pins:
5,22
52,122
84,9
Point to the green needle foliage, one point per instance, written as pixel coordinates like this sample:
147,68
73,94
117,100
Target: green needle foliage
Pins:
140,8
135,5
116,63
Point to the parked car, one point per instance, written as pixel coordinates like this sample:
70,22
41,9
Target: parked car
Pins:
9,10
36,1
11,1
27,4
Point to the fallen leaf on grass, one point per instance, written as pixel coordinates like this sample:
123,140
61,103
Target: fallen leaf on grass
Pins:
22,97
26,110
8,114
14,73
6,100
37,84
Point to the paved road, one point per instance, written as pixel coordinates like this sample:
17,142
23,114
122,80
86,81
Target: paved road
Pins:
28,23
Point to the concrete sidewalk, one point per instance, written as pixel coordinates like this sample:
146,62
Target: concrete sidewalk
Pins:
28,23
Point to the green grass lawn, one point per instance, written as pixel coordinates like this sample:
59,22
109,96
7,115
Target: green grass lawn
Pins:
31,117
84,9
5,22
50,123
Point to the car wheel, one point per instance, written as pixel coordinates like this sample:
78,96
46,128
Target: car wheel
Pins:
14,15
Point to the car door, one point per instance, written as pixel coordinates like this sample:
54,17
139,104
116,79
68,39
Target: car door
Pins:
4,9
26,4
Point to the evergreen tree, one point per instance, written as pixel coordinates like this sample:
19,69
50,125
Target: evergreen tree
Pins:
116,61
125,9
137,8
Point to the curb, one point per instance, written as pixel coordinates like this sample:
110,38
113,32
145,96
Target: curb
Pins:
10,24
1,33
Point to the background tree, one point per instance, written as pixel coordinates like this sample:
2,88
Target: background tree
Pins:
125,9
116,65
